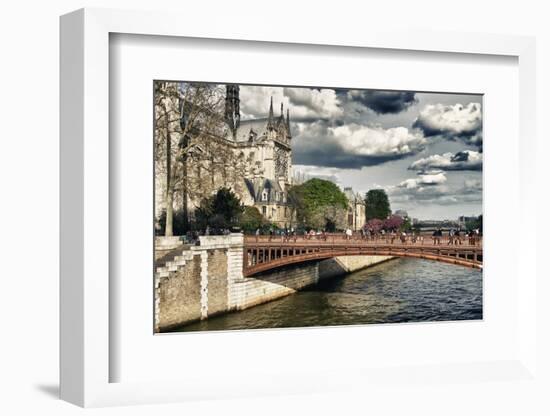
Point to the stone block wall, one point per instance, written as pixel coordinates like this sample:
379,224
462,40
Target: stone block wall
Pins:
196,283
217,282
338,266
163,245
183,283
268,286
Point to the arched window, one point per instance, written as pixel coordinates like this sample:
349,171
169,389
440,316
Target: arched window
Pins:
264,195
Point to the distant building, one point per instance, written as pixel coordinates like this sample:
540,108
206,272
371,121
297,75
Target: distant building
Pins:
356,209
430,225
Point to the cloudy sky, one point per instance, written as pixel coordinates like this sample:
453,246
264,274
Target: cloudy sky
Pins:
424,149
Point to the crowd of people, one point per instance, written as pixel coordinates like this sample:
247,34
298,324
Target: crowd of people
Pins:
454,236
437,237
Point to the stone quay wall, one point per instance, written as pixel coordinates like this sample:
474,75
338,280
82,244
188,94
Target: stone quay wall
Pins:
206,280
338,266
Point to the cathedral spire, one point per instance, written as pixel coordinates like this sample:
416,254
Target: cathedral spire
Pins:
270,117
288,122
232,108
282,110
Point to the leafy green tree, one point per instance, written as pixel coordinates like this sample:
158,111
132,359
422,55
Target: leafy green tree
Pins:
475,224
251,220
406,225
377,204
179,223
319,204
219,211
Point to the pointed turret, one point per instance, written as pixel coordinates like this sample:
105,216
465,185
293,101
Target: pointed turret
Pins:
288,122
282,110
232,108
270,120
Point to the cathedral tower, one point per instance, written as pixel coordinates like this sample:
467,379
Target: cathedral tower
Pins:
232,108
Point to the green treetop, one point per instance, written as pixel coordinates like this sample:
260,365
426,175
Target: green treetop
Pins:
377,204
319,204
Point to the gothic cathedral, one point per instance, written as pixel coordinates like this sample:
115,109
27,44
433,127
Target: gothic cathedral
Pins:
266,145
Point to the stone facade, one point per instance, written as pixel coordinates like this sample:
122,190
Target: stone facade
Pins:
356,215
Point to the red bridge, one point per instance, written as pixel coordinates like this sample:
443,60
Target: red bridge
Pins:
263,253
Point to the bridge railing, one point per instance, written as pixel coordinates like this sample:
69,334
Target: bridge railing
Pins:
354,239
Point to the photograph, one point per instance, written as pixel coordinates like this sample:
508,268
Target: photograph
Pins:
298,206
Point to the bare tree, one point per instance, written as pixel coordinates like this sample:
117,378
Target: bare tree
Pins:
193,157
166,137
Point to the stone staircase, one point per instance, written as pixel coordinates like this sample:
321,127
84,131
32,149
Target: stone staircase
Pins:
173,261
169,264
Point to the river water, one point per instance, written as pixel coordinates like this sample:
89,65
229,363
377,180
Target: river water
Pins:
400,290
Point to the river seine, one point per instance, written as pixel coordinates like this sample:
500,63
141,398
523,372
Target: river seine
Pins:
400,290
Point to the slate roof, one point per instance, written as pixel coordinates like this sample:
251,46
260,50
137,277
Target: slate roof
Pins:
258,185
258,126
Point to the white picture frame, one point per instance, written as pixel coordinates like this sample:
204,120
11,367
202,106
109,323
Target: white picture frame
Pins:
85,217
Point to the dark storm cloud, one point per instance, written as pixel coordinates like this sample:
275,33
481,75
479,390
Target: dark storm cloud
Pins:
383,102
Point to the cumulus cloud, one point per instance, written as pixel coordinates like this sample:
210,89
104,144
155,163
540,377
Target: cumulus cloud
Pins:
304,103
454,122
353,145
313,103
463,160
433,189
254,100
383,102
430,179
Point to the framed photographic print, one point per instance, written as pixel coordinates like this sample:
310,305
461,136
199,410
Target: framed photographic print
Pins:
235,210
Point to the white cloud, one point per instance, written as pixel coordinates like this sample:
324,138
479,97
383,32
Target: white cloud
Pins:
255,100
432,189
304,103
452,121
464,160
353,146
310,102
376,141
436,178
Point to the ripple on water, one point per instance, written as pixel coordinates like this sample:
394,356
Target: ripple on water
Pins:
401,290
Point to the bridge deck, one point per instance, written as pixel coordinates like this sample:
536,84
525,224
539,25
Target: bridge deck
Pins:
267,252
